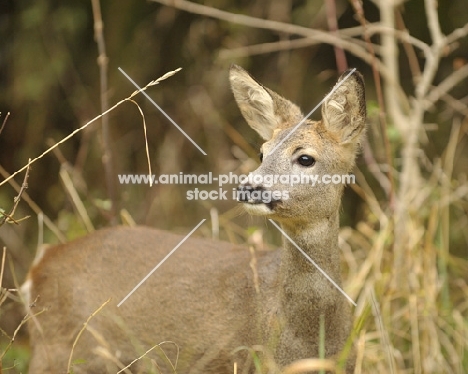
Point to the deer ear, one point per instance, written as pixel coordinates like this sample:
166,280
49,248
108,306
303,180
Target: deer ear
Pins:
263,109
344,111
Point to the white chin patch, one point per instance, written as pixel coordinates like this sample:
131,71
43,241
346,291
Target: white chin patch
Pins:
257,209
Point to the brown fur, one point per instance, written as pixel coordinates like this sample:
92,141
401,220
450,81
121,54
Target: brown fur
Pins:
203,298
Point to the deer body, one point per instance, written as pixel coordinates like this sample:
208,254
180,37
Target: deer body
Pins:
204,298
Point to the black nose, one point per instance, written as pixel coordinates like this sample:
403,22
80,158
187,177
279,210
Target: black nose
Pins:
246,193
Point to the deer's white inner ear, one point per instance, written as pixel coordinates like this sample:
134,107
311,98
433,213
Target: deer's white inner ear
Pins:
344,113
335,111
255,103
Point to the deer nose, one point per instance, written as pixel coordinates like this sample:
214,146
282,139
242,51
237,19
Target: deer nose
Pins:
248,193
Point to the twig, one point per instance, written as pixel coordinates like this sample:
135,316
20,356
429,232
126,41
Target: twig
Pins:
402,35
457,105
270,47
374,167
17,199
444,249
438,42
75,197
4,122
32,204
277,26
82,330
149,350
409,49
410,176
433,22
445,86
382,118
457,34
9,217
2,266
351,45
146,141
107,157
242,19
341,39
5,350
340,56
379,322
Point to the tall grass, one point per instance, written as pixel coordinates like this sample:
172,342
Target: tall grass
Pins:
418,317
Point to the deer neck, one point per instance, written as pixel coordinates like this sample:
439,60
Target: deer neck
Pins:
304,291
319,239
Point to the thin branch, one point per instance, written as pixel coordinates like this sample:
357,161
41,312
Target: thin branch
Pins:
4,122
340,56
2,266
374,167
438,42
25,319
433,22
103,60
259,23
75,199
9,216
445,86
409,49
457,34
162,352
85,325
457,105
148,159
271,47
378,28
382,115
52,227
340,40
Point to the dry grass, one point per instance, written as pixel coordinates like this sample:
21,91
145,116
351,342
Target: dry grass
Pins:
418,317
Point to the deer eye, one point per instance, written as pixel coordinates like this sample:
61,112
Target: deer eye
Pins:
260,156
306,160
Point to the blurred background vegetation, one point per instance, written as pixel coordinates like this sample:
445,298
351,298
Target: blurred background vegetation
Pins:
50,81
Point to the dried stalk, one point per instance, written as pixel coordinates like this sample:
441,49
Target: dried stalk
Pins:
107,157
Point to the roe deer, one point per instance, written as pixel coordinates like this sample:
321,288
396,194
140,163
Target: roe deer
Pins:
203,304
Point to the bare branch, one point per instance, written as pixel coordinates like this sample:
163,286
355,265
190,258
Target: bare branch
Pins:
36,209
413,61
457,105
4,122
103,61
85,325
9,216
387,46
457,34
281,45
403,36
438,42
340,56
438,39
445,86
259,23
